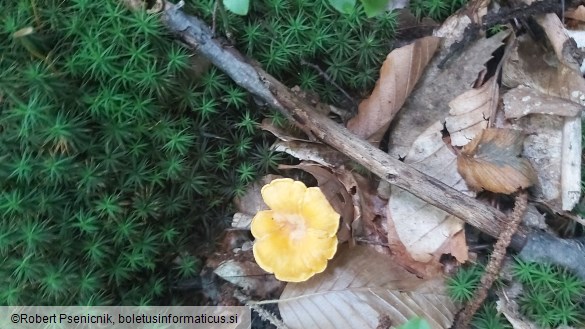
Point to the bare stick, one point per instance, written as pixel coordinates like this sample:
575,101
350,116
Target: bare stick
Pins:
495,264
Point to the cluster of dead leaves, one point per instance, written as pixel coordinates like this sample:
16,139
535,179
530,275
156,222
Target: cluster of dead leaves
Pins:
452,119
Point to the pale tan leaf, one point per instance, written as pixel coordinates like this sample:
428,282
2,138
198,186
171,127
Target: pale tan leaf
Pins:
470,111
522,101
429,103
426,230
491,162
398,76
360,286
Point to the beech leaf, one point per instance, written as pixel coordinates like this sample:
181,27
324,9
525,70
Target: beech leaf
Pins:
359,287
492,162
470,111
426,231
398,76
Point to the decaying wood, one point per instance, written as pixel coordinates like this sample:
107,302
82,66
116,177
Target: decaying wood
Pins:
567,53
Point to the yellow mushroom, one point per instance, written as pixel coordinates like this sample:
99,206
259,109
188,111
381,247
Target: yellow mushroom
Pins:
297,236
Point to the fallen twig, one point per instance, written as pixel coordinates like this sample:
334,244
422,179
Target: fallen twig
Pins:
493,267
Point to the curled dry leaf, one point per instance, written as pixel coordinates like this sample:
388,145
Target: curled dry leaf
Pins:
492,162
470,112
398,76
358,287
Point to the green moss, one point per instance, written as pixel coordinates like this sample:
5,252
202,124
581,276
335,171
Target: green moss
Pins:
109,155
116,161
438,10
551,296
488,317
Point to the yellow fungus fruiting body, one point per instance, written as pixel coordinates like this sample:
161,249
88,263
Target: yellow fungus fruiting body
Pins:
298,235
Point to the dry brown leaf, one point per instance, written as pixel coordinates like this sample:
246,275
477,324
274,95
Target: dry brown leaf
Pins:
360,286
522,101
470,112
492,162
429,103
398,76
424,230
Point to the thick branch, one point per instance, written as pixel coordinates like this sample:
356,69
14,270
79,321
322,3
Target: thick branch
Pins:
194,32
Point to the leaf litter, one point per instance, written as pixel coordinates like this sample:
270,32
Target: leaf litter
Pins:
490,137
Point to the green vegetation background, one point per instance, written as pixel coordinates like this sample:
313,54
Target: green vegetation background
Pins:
120,151
116,164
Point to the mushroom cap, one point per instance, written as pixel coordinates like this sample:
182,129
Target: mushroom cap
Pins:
297,236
